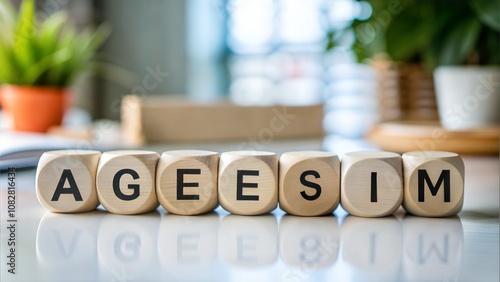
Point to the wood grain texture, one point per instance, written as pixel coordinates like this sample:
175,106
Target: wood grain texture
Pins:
65,180
371,184
256,172
192,171
126,181
309,183
444,171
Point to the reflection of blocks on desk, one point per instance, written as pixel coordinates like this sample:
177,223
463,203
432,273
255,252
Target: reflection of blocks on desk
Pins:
433,250
126,181
186,181
65,180
309,183
125,245
433,183
371,183
186,243
67,237
373,247
309,241
248,182
248,242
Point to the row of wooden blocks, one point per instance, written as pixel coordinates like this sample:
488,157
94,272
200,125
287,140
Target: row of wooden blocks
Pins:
307,183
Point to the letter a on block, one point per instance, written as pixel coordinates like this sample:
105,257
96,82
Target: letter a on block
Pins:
433,183
65,180
67,175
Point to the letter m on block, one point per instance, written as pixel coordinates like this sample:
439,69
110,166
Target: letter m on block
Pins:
423,178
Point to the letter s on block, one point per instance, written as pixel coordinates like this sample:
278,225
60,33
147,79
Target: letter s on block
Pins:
310,184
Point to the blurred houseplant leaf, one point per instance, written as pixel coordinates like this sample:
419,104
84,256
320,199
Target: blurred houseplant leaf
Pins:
434,33
49,53
488,12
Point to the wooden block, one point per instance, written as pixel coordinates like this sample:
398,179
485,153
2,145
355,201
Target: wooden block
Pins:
65,180
156,119
433,183
248,183
126,181
371,184
309,183
186,181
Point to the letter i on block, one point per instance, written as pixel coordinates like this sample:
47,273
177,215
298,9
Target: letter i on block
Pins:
309,183
186,181
248,183
371,184
65,180
433,183
126,181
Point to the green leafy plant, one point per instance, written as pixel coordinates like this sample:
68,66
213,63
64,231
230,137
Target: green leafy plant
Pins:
432,32
48,53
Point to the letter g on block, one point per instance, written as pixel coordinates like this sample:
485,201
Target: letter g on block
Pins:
126,181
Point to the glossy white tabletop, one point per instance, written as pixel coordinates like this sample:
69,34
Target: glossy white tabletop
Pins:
100,246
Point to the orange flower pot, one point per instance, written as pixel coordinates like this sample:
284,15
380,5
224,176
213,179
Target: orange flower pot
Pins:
35,108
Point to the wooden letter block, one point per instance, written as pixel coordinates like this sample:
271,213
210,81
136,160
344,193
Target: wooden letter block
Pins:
126,181
433,183
248,183
186,181
65,180
371,184
309,183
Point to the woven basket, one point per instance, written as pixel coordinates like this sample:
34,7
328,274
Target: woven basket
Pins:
405,92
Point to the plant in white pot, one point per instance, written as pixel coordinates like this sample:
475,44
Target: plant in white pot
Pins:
38,63
467,54
457,40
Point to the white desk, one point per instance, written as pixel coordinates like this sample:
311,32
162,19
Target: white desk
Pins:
158,246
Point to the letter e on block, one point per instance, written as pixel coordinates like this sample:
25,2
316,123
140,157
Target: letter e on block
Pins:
65,180
126,181
309,183
248,183
186,181
433,183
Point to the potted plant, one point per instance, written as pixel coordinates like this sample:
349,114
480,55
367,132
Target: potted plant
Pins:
458,41
38,63
465,52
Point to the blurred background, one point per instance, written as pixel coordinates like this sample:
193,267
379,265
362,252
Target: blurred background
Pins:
253,52
364,62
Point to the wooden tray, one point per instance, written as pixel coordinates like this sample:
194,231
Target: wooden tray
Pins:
407,136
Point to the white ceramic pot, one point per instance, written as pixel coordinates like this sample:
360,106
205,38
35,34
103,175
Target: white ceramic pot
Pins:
468,96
